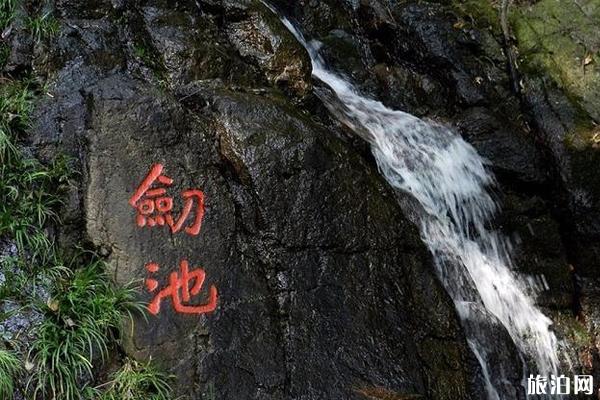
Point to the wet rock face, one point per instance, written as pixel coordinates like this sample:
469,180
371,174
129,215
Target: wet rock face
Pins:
240,43
324,288
570,142
416,58
422,58
433,61
262,39
540,136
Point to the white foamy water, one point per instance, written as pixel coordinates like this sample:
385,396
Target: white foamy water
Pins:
450,182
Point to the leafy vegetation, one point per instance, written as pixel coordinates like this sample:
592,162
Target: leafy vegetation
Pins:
9,368
7,12
29,191
84,315
83,320
42,27
136,381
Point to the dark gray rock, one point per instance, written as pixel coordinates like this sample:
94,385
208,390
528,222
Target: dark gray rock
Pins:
242,44
21,43
512,155
325,289
320,278
559,122
261,39
413,58
538,247
186,44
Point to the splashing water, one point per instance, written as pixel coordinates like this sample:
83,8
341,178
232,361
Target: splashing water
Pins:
450,182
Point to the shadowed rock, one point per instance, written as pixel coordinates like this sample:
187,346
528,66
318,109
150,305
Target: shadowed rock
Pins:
324,286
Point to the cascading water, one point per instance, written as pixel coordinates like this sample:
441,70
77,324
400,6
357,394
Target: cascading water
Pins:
450,182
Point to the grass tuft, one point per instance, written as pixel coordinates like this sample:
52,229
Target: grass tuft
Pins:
136,381
42,27
29,191
7,12
10,366
83,319
84,316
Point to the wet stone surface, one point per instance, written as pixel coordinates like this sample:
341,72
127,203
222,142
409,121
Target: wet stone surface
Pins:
325,288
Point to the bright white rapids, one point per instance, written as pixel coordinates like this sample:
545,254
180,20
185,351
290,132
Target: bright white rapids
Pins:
450,182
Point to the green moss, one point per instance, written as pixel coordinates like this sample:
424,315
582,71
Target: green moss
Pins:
573,330
144,50
481,14
150,58
141,52
561,39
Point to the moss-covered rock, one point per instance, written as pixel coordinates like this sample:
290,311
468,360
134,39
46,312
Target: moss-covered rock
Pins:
558,45
562,39
479,14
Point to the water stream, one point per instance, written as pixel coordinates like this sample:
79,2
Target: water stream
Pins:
451,184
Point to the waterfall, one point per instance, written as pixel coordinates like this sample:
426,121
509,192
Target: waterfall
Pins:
451,184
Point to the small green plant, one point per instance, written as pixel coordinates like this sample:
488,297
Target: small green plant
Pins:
42,27
7,12
140,52
136,381
209,393
9,368
16,104
4,54
152,61
85,314
29,190
83,319
27,203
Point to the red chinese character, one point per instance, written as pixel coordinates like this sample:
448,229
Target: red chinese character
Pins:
183,282
154,208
